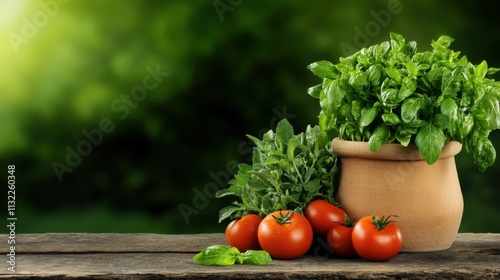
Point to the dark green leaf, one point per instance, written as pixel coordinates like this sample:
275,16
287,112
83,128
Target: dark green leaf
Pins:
410,108
408,86
257,184
491,109
367,116
484,154
451,82
443,121
336,95
390,118
467,125
380,136
449,108
356,110
313,186
403,135
358,80
284,131
375,75
430,141
226,212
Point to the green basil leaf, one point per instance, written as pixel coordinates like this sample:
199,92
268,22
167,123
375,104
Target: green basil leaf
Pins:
449,108
215,255
481,71
451,82
491,109
492,70
284,131
410,108
375,75
390,97
256,257
484,154
443,121
442,43
466,125
412,69
403,135
430,140
368,115
380,136
397,41
326,122
315,90
356,108
358,80
408,86
323,69
391,118
335,94
394,74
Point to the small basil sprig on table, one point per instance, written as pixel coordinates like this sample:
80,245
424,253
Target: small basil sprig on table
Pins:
222,255
287,172
389,92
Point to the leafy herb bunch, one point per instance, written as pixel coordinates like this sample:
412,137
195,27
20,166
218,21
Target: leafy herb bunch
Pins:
389,92
287,172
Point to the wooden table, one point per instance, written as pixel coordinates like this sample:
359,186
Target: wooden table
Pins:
161,256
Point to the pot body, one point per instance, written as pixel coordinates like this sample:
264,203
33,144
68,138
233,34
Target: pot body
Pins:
397,181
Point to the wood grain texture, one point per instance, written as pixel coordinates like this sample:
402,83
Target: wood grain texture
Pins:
113,242
152,256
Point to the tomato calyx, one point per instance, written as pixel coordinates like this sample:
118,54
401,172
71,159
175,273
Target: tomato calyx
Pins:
381,223
284,219
348,222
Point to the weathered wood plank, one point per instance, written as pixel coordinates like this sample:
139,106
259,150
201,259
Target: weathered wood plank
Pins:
177,265
127,242
112,242
472,256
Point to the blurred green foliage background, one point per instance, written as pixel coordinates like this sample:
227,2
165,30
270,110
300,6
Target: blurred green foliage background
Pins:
234,67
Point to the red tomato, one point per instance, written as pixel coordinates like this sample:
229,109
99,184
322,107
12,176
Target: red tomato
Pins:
339,238
242,233
323,215
285,234
376,239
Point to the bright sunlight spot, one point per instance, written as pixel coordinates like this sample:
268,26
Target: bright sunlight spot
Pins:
10,10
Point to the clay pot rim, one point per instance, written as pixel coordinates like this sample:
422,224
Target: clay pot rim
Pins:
392,151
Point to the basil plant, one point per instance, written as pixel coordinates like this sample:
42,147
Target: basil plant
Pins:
391,93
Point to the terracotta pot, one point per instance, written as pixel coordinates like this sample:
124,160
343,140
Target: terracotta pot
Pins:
396,180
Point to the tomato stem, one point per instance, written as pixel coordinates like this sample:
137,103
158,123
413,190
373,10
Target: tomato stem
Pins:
381,223
348,222
286,219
